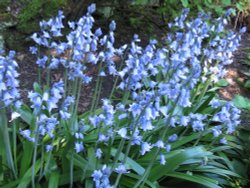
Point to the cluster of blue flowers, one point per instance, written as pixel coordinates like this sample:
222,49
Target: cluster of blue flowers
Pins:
43,104
9,93
196,51
228,116
83,46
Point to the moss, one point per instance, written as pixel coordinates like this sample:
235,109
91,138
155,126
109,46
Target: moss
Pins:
36,10
15,41
4,4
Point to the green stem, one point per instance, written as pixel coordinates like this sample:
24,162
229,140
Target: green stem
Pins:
98,93
162,137
198,140
34,157
42,161
117,77
14,132
72,107
78,98
97,89
71,170
65,83
120,148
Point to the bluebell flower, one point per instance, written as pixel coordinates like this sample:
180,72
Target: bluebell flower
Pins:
172,137
41,62
91,8
145,147
136,138
46,125
135,109
198,125
184,99
243,30
98,153
146,124
122,116
101,177
112,25
102,138
64,112
216,131
33,50
215,103
122,132
54,63
168,148
173,122
97,175
36,39
196,121
79,135
27,134
9,84
49,148
36,100
79,147
229,116
223,141
162,159
159,144
121,169
184,120
98,32
95,121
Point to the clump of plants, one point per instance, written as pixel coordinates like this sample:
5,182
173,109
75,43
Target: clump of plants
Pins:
166,127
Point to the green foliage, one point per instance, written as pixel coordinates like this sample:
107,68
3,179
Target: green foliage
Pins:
4,4
36,10
246,63
241,102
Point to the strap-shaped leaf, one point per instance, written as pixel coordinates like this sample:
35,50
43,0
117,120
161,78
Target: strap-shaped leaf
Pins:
195,178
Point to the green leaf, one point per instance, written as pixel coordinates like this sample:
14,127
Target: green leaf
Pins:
241,102
132,164
185,3
221,172
226,2
246,73
37,88
195,178
26,157
26,114
175,161
54,180
222,83
204,104
81,162
239,7
130,182
26,179
89,183
10,185
247,84
185,139
91,156
5,149
64,178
